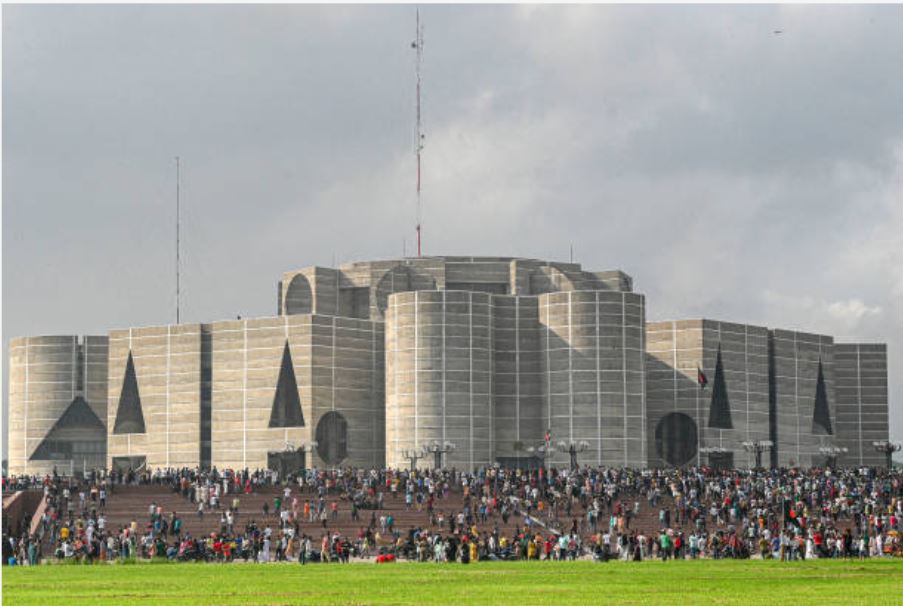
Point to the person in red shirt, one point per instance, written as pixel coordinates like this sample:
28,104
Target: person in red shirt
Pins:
385,558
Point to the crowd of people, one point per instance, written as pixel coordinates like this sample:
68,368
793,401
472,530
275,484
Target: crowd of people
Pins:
491,514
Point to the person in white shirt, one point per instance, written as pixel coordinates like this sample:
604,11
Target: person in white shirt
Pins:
810,549
264,555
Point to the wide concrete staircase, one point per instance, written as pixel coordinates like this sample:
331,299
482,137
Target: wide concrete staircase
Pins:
128,503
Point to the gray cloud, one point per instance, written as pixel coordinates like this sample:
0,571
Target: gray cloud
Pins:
736,173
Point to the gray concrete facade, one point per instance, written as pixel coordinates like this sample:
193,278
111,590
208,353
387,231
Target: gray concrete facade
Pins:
361,289
803,392
209,392
439,359
520,418
470,359
593,349
797,357
57,404
166,370
370,360
334,362
862,413
676,352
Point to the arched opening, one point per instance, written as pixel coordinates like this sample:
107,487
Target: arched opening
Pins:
549,278
298,296
676,439
397,279
332,438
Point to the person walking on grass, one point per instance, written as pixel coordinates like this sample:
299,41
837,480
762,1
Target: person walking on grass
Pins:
664,545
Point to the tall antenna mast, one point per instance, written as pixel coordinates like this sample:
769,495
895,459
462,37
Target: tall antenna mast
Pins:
178,247
418,45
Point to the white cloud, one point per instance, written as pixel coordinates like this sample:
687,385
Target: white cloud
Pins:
852,311
831,317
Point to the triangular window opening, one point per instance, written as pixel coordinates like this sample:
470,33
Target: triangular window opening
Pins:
79,430
129,416
286,403
79,415
720,410
821,415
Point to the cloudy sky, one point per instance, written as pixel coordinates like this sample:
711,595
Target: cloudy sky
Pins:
737,173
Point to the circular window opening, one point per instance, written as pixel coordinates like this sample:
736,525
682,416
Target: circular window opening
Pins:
676,438
332,438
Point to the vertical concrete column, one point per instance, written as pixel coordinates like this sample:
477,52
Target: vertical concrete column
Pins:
594,374
439,376
42,384
519,420
862,401
796,362
46,374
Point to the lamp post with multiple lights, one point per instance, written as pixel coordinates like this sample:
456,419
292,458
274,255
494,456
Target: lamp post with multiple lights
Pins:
712,450
438,449
572,448
888,448
757,447
831,453
542,450
413,455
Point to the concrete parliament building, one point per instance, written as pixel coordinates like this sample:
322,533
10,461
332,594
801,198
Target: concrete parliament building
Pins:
496,356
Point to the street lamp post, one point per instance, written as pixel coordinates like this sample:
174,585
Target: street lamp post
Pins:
757,447
572,448
712,450
831,453
413,455
888,448
543,450
438,449
306,449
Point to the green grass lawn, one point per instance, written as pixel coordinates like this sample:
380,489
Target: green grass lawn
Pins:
516,583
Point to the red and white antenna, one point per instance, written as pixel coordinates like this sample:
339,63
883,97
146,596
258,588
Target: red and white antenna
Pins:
417,44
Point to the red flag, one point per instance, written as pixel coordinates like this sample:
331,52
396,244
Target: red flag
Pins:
701,378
